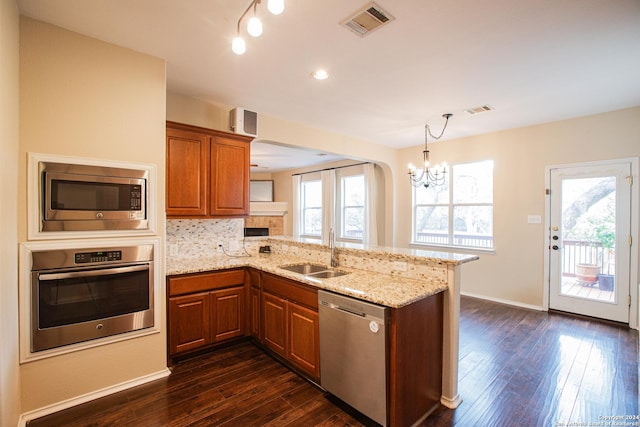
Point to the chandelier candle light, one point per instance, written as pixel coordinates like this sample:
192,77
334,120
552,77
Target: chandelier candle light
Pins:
254,25
429,176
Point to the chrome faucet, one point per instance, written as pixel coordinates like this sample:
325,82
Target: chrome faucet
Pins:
332,247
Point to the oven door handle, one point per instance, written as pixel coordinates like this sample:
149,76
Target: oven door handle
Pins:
93,273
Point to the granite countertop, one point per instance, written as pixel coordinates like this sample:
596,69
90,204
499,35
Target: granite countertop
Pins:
384,289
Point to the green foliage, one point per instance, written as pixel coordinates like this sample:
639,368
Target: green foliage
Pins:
605,234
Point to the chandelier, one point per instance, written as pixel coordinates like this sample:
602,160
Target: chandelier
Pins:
254,25
429,175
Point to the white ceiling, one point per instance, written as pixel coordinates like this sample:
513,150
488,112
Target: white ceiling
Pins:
269,156
534,61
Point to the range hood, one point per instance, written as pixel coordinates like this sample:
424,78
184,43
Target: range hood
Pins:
268,208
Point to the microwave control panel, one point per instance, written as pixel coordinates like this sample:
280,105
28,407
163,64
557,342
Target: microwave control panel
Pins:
136,197
102,256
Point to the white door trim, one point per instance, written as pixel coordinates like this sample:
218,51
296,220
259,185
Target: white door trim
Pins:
635,224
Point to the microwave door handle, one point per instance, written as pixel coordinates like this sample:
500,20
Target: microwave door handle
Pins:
92,273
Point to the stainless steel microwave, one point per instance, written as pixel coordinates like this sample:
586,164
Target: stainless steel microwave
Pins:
85,197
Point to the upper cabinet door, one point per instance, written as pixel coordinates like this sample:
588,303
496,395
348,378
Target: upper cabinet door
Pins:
207,172
229,177
187,173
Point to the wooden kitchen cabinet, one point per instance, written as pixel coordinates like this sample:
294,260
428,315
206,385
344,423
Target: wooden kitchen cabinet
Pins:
187,172
189,327
274,312
304,339
227,314
290,322
207,172
205,309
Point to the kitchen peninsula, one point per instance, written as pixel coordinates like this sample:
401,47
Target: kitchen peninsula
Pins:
421,288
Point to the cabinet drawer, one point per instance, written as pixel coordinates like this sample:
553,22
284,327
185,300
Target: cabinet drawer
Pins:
293,291
204,282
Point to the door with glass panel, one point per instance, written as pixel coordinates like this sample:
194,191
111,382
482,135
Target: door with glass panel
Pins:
589,240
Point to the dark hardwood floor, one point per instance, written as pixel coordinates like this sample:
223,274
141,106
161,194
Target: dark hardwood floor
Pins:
517,367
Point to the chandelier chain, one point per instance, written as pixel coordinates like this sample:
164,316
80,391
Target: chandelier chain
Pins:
446,116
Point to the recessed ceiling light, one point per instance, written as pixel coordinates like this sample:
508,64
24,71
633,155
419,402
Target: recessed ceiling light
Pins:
320,74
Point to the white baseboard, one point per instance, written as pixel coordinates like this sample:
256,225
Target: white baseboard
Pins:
74,401
504,301
451,403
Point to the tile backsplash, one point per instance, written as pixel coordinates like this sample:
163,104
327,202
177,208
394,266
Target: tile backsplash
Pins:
193,238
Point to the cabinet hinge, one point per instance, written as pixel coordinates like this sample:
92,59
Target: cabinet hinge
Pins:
630,178
629,300
630,240
547,191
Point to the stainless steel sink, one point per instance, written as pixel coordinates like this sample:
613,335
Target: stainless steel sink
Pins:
305,268
313,270
327,274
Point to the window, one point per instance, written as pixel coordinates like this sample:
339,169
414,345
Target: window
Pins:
344,198
458,213
311,208
351,207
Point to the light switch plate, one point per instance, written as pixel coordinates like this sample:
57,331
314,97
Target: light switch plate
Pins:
534,219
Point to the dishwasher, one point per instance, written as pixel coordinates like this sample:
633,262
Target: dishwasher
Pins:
353,353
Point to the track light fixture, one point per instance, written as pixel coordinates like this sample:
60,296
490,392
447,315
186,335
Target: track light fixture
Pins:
254,25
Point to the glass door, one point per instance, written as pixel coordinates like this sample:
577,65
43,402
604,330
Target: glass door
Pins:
589,256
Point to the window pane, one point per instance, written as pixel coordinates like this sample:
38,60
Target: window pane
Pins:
312,194
352,207
434,194
312,208
312,221
352,224
473,182
432,224
353,191
473,226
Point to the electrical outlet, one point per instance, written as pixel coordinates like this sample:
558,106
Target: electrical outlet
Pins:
173,250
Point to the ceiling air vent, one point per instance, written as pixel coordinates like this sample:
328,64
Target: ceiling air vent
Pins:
367,19
480,109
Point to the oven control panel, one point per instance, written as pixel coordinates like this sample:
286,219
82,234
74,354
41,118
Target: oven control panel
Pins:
102,256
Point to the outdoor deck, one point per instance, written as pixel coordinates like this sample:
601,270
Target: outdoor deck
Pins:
572,287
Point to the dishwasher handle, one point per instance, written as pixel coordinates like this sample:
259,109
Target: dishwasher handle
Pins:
345,309
350,311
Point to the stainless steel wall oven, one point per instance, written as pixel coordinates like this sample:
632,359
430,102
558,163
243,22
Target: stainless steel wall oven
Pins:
83,294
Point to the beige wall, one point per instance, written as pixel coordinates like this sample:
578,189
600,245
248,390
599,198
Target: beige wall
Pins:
197,112
86,98
9,61
515,271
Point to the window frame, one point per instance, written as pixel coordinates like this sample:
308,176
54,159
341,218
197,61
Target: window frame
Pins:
451,206
304,208
341,207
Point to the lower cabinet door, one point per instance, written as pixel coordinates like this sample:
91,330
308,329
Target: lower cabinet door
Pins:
227,313
304,339
189,322
274,315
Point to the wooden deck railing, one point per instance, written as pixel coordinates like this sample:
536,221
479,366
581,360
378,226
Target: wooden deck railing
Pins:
580,251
